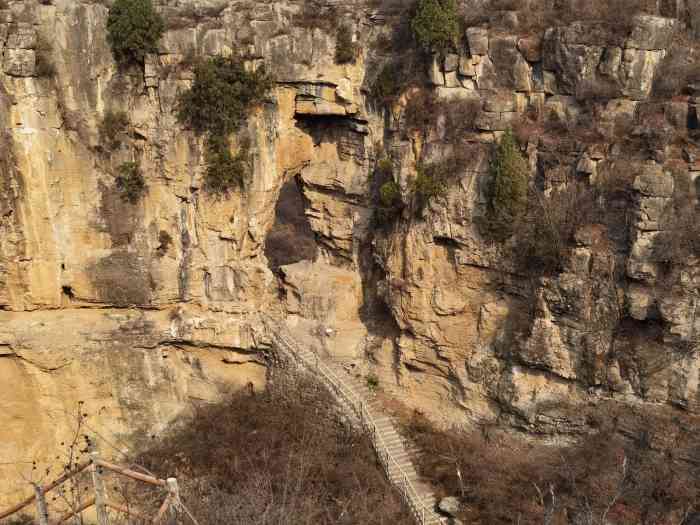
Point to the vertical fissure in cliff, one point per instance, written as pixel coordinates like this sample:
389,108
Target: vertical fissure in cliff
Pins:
291,238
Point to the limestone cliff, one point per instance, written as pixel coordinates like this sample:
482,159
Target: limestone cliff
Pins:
136,309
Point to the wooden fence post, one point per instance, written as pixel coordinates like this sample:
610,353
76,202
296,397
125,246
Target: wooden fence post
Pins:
98,482
41,510
174,493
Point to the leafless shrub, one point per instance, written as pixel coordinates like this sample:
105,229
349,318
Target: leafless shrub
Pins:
460,117
425,112
680,238
284,456
316,14
502,479
528,127
546,232
537,15
678,68
421,112
192,15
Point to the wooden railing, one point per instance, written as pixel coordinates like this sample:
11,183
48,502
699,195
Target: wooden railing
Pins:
280,335
171,504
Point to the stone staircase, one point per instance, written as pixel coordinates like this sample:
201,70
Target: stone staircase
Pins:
354,396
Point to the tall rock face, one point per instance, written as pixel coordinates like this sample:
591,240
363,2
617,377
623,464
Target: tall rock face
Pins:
126,311
137,309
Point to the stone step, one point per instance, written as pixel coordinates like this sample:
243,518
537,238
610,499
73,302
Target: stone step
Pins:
397,447
404,469
386,427
405,466
400,455
397,477
392,440
393,446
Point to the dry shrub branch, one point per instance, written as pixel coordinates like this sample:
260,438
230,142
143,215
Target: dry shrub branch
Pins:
285,456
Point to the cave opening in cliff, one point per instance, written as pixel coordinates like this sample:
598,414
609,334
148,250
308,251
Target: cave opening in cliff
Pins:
291,238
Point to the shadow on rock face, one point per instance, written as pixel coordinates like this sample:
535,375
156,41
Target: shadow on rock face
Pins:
291,239
122,279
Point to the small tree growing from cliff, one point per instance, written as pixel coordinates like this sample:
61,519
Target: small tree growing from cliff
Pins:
430,182
130,182
133,30
221,96
436,25
113,129
345,48
507,193
225,170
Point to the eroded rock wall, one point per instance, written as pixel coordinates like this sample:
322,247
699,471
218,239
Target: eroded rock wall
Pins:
137,309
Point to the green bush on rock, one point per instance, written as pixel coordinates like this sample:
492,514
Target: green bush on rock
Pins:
225,170
436,24
221,95
113,128
133,30
345,48
390,194
430,182
130,182
508,191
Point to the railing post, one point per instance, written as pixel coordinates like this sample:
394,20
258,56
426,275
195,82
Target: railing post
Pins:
98,482
41,510
174,492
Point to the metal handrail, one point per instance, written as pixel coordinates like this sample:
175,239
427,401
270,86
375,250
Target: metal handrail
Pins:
407,489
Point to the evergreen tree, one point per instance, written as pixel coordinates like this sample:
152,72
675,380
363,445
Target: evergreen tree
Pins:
436,25
133,30
508,189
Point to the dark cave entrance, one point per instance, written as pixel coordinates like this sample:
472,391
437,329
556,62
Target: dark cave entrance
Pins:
291,238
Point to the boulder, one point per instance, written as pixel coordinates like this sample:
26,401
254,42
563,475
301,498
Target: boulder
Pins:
451,79
466,67
651,32
693,7
512,70
478,39
23,37
573,64
654,182
435,74
531,48
449,506
451,62
639,68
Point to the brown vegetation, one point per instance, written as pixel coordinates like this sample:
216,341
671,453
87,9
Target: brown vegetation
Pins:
455,116
316,14
680,239
284,456
605,478
538,15
678,68
405,63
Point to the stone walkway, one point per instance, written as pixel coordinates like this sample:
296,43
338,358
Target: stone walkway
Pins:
355,397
